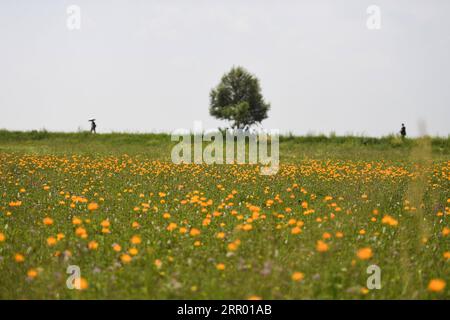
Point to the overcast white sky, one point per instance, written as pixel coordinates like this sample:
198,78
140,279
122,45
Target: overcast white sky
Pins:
149,65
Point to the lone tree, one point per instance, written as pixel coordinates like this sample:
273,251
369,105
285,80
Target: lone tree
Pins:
238,98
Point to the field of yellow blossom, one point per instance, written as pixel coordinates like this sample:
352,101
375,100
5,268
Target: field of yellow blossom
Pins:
140,227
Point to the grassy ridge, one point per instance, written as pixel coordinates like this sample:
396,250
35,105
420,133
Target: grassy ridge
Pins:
160,144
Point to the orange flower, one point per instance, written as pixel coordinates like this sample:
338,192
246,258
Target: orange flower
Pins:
447,255
296,230
60,236
157,263
2,237
51,241
135,224
81,232
389,220
32,273
83,284
220,235
297,276
15,203
116,247
172,226
364,253
105,223
194,232
105,230
125,258
436,285
233,246
326,236
321,246
339,234
445,231
133,251
135,239
19,258
254,298
93,245
76,221
220,266
47,221
92,206
182,230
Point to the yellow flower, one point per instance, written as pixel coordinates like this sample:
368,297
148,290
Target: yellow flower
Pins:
321,246
133,251
339,234
297,276
220,266
364,253
47,221
436,285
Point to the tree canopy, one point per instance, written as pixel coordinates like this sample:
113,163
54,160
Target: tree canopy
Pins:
238,98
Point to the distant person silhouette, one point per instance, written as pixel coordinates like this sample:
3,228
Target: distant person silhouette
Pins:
93,126
403,131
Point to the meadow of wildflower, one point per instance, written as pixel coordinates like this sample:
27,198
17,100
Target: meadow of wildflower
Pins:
140,227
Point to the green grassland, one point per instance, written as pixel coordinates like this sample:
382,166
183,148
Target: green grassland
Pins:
166,231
